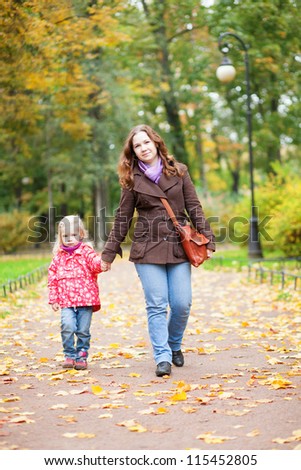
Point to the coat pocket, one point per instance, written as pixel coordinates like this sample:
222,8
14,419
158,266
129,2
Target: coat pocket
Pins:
178,250
138,249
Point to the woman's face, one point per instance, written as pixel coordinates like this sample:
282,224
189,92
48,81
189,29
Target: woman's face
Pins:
145,148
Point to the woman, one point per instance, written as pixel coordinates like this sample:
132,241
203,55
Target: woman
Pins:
147,172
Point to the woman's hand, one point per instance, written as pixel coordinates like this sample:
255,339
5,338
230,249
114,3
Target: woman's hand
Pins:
55,307
209,254
105,266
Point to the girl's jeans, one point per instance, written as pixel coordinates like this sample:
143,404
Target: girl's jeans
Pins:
165,284
76,321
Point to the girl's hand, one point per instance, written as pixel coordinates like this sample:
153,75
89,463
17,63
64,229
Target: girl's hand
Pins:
55,307
105,266
209,254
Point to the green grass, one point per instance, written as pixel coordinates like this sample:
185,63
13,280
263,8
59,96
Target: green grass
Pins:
238,257
11,269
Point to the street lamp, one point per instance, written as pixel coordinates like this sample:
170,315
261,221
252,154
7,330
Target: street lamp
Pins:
226,73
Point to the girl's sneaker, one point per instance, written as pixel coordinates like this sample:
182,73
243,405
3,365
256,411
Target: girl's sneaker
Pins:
81,361
68,363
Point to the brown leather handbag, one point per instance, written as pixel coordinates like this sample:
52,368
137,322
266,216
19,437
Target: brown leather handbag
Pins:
193,242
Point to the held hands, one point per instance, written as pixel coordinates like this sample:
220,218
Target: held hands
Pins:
209,254
105,266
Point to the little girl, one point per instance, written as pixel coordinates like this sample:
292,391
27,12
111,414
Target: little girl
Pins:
72,283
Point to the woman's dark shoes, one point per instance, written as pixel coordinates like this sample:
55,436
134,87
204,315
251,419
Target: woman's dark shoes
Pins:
178,358
163,368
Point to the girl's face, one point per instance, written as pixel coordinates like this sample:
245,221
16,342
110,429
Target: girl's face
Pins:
70,234
145,148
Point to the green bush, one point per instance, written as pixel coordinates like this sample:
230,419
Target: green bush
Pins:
279,200
14,231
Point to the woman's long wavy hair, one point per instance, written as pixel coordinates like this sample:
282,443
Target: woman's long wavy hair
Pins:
128,159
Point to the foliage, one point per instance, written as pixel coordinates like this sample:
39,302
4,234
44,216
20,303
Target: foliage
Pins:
278,203
14,231
12,268
77,75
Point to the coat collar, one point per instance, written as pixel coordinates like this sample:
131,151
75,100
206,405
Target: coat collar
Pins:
144,185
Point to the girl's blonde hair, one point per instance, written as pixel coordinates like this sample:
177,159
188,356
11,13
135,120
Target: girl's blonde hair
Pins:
69,221
128,159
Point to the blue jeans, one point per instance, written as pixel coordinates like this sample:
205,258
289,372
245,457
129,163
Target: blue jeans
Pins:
163,285
75,322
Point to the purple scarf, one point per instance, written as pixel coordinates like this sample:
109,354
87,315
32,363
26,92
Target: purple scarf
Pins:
71,249
152,172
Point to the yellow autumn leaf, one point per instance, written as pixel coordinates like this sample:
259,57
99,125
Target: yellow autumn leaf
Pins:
96,389
59,406
296,436
8,410
26,386
161,411
277,382
134,374
183,386
203,400
43,359
201,350
69,418
274,360
105,415
189,409
208,438
126,423
132,426
21,419
10,399
124,386
225,395
80,435
149,411
137,428
181,396
253,433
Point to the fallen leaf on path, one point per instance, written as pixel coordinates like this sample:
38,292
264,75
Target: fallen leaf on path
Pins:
105,415
21,419
253,433
96,389
132,426
59,406
277,382
295,437
209,438
10,399
79,435
181,396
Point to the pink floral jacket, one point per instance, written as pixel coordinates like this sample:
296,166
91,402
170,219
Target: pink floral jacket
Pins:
72,278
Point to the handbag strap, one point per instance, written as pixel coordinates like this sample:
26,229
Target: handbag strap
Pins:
170,212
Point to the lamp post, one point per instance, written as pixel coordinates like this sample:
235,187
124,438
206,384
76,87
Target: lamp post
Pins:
226,73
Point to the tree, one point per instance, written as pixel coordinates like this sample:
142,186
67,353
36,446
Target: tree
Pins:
271,29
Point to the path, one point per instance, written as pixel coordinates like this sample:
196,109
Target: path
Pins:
239,388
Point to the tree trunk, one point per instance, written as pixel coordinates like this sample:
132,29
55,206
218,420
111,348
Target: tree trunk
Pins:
200,155
167,90
100,234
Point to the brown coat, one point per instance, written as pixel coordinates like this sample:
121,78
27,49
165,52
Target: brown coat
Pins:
155,239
